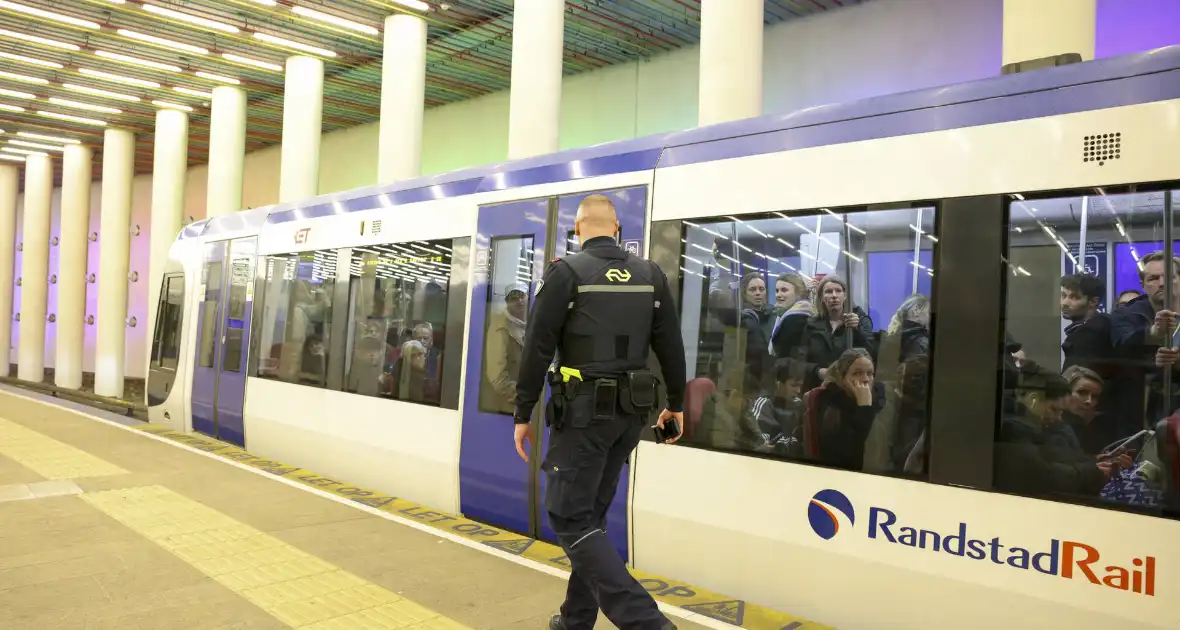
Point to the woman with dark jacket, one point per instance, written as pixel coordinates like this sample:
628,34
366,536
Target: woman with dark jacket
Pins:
826,335
838,415
754,317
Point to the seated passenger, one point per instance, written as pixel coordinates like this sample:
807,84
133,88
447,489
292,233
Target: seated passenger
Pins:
1036,451
900,425
730,421
409,379
779,414
1137,331
1087,337
1125,297
838,415
827,337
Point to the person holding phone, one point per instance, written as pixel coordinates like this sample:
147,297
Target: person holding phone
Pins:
599,310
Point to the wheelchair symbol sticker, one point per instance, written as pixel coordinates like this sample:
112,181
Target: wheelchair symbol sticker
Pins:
631,247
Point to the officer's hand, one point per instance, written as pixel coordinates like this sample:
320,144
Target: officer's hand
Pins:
524,434
678,416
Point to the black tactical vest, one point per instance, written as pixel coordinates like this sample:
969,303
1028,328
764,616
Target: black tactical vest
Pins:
608,328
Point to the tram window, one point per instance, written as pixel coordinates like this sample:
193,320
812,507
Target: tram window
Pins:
166,344
786,317
209,313
296,324
239,281
1083,397
398,314
510,281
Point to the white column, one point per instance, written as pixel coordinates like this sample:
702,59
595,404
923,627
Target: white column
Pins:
114,248
403,97
71,265
168,181
731,61
34,274
1035,29
227,151
9,184
534,107
303,115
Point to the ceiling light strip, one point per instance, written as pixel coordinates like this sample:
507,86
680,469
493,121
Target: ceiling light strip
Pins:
34,145
78,119
37,136
286,43
23,77
252,62
137,61
39,40
167,105
15,94
22,151
332,19
49,15
118,78
4,156
192,92
98,92
79,105
30,60
11,108
163,42
190,18
218,78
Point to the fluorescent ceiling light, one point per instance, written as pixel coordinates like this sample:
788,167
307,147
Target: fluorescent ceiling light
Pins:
39,40
36,62
49,15
78,119
75,104
167,105
413,4
191,92
11,108
332,19
118,78
34,145
253,62
4,156
15,94
269,3
37,136
163,42
190,18
279,41
137,61
218,77
98,92
22,151
23,77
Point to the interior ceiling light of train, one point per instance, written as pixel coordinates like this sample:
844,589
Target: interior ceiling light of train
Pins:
70,69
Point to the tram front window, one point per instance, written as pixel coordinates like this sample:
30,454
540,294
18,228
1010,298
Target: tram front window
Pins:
1090,377
808,335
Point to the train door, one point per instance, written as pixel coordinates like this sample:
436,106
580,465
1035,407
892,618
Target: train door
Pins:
514,242
223,318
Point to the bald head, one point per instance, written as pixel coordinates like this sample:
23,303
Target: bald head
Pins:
596,217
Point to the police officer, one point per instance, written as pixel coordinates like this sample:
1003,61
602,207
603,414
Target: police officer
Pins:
600,310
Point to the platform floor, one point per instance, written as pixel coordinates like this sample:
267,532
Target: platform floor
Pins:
101,527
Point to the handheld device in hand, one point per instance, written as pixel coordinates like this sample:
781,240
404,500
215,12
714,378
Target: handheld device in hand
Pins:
670,430
1135,442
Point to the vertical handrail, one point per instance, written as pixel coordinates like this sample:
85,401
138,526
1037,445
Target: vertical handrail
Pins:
1169,295
1079,265
917,251
848,306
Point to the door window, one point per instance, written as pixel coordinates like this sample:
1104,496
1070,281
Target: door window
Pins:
240,272
209,308
510,281
166,343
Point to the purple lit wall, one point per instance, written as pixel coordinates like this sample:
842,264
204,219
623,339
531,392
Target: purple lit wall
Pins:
1130,26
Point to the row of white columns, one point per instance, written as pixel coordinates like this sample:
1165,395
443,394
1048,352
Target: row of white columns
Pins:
730,89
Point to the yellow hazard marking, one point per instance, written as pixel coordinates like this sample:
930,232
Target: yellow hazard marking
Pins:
709,604
48,457
296,588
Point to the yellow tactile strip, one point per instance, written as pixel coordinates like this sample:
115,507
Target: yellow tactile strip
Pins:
296,588
48,457
709,604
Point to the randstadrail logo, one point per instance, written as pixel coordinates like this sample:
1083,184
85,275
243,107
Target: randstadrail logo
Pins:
821,513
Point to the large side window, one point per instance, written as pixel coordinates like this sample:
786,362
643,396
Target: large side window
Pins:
166,341
809,335
1089,386
297,317
397,320
509,294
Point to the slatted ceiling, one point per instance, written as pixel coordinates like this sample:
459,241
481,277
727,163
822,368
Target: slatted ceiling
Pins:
469,54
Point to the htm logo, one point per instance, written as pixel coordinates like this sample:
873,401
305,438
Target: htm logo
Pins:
301,236
823,509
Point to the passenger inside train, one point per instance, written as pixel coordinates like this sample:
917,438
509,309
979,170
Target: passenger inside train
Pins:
1088,393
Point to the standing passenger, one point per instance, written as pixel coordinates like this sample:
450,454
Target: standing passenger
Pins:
599,404
825,335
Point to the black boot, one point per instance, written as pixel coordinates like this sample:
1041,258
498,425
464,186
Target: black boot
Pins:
556,623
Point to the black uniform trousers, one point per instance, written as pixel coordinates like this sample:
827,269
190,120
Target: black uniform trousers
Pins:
582,467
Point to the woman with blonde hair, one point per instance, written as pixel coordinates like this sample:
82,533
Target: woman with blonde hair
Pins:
838,415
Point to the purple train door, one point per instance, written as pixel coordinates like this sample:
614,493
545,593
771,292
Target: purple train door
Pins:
219,375
514,241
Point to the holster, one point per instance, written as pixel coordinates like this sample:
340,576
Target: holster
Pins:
560,395
640,392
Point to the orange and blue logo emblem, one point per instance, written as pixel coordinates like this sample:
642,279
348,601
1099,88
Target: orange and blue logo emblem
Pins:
823,512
